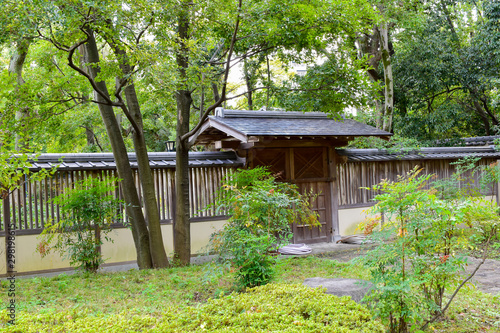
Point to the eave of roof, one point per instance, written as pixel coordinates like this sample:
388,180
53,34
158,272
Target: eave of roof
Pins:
106,161
454,153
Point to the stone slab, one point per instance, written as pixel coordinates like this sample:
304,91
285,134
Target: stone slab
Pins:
354,288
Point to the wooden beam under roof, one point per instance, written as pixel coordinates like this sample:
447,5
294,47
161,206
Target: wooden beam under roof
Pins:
301,143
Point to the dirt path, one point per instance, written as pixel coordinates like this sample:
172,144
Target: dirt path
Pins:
487,278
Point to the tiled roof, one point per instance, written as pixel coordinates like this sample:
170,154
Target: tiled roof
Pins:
374,155
480,140
101,161
242,125
286,123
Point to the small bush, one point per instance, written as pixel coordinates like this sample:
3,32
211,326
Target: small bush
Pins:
270,308
418,254
261,212
87,213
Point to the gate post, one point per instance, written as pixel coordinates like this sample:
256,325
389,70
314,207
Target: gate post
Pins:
334,183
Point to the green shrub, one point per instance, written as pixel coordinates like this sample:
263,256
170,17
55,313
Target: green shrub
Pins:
418,256
270,308
261,212
88,210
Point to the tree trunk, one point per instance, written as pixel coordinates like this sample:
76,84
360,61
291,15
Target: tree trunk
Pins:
388,80
134,211
268,81
248,78
182,232
90,136
372,45
158,253
482,114
16,67
215,91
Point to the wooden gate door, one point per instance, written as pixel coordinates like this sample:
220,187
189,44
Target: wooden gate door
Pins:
304,233
310,173
308,169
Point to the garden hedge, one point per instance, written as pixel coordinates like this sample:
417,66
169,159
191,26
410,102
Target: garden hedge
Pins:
270,308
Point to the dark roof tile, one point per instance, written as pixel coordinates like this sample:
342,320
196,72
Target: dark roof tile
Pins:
358,155
157,160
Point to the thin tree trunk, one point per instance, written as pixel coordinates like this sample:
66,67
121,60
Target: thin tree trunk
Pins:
248,77
371,45
268,81
16,67
482,114
158,253
182,232
134,211
90,136
388,79
215,91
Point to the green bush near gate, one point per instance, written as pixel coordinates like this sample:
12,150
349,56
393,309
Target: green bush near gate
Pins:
262,210
270,308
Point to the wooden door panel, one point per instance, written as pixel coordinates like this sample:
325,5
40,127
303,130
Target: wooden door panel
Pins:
305,233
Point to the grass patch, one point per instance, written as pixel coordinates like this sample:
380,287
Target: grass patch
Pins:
136,295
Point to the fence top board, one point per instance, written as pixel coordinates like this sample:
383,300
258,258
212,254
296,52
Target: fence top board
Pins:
106,161
431,153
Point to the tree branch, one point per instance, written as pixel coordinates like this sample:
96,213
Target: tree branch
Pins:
441,313
92,82
224,85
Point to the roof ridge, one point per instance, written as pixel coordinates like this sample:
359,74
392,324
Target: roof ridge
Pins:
228,113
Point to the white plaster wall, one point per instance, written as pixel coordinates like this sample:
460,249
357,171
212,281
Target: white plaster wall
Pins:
350,218
121,249
3,267
200,234
28,259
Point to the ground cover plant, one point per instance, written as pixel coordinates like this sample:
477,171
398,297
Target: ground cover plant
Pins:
137,300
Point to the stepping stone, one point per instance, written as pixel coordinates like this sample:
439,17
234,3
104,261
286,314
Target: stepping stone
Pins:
357,289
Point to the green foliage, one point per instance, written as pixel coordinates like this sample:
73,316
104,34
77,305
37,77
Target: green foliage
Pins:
397,144
446,73
417,258
261,212
88,210
15,170
276,307
331,87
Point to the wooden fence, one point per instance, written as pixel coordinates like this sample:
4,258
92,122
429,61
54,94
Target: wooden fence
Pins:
30,207
354,176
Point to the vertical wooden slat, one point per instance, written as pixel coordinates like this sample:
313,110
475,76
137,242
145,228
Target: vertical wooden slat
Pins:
12,198
30,204
25,204
50,190
161,193
191,190
172,201
198,194
35,199
7,228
